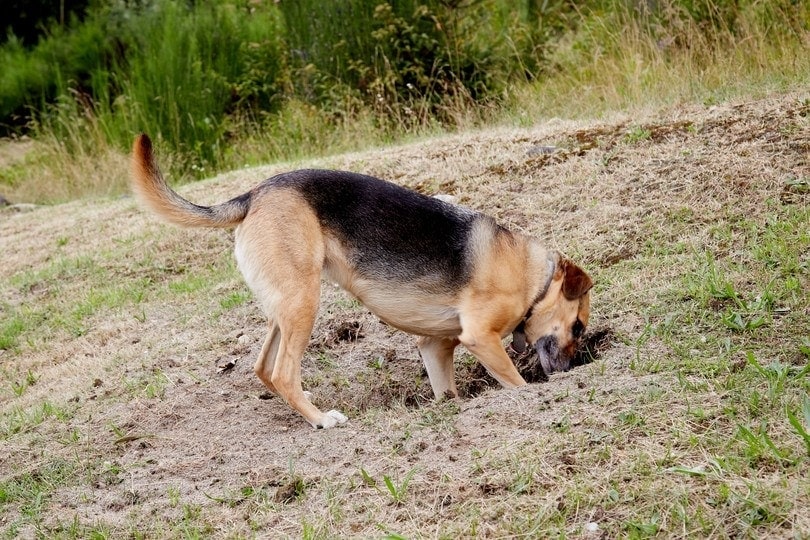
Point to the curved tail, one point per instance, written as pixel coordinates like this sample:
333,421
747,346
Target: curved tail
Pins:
152,191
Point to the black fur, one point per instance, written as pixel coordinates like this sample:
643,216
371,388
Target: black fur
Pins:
390,232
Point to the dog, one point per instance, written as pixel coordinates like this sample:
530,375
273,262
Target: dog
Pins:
440,271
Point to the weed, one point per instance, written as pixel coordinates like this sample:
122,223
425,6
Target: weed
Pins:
758,445
76,529
367,478
11,328
798,184
326,361
72,437
235,299
440,416
777,375
19,387
190,284
637,134
643,529
523,479
394,536
156,385
377,363
23,420
717,285
173,494
116,430
631,418
740,322
30,491
796,422
398,491
69,291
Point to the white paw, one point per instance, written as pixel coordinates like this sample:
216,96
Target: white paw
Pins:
337,415
331,419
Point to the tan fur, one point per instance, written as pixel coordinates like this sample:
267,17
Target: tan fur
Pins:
282,251
152,191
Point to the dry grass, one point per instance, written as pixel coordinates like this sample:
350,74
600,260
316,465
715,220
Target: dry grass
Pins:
622,62
693,222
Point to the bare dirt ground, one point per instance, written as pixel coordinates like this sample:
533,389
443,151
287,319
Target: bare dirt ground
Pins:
141,337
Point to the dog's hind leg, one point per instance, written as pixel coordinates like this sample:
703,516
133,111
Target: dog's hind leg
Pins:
280,251
295,319
437,355
267,357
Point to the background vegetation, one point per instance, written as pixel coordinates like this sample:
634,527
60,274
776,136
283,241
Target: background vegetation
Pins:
230,83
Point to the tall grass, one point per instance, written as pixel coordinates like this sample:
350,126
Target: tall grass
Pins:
682,52
222,85
179,76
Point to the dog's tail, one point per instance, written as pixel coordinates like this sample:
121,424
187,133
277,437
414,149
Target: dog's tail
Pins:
152,191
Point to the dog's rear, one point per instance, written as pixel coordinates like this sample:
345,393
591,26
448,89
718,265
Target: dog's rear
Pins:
152,191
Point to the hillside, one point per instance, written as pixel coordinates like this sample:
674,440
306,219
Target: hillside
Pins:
129,406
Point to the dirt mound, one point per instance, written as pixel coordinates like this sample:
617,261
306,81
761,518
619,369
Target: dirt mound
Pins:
131,408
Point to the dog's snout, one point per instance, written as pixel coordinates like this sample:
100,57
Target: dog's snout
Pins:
549,345
552,358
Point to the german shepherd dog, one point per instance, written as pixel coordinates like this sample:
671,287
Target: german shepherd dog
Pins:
441,271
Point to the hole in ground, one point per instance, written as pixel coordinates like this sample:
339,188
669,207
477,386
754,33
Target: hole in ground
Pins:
476,379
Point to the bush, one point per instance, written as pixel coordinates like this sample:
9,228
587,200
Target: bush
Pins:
63,60
407,59
174,71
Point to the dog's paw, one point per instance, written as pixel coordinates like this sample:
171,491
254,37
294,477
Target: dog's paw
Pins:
331,419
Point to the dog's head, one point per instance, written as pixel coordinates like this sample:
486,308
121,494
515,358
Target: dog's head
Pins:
558,319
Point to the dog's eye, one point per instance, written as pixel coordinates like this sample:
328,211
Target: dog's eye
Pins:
578,328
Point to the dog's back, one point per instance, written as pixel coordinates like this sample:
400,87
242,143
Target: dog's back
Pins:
389,232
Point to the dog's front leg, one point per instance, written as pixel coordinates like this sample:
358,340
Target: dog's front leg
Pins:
437,354
487,347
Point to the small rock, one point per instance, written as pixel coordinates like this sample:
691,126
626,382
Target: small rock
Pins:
23,207
235,335
541,150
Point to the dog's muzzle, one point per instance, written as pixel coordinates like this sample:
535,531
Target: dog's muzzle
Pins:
551,357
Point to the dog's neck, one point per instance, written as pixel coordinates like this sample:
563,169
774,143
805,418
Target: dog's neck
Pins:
552,260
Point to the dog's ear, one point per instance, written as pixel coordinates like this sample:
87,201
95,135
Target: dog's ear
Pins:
575,281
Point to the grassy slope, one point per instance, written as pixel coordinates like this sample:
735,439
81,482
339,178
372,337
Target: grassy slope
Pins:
691,423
